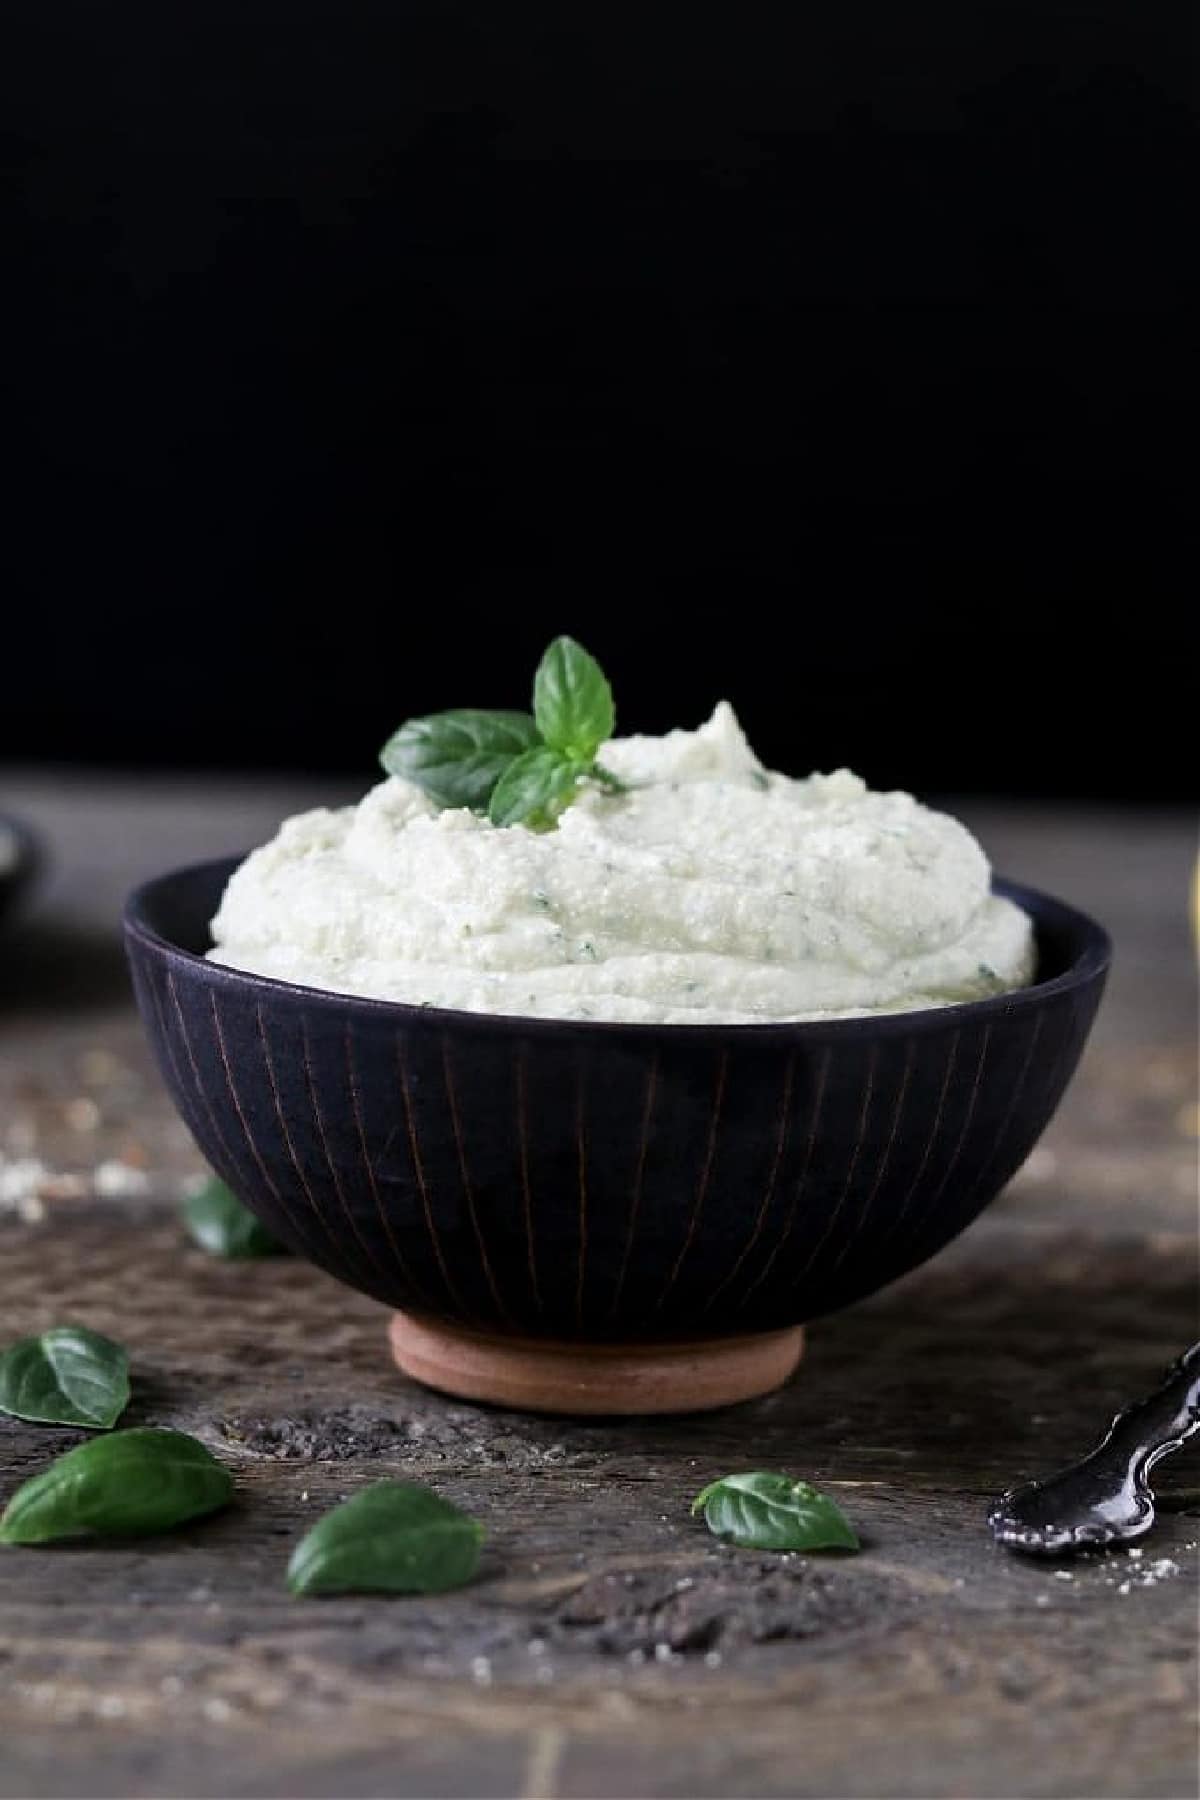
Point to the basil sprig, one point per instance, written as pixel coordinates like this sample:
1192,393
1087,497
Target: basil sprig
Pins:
762,1511
126,1484
67,1376
391,1538
220,1224
535,789
458,757
519,768
572,701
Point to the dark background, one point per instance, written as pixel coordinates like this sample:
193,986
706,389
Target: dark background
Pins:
828,357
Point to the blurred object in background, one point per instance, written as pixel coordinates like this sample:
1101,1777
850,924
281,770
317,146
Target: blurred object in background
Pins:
20,856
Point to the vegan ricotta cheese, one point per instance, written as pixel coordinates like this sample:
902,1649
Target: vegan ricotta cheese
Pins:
709,891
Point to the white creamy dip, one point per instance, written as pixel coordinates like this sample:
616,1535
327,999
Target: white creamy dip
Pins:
710,891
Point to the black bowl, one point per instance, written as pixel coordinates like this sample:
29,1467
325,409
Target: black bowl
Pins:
605,1182
19,868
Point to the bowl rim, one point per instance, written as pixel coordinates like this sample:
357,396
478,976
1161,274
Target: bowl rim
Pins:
1092,960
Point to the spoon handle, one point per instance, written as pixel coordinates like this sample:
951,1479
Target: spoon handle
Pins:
1150,1428
1105,1497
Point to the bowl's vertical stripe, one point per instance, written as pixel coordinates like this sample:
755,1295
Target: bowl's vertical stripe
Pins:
781,1139
581,1165
935,1130
860,1136
966,1208
1069,1045
189,1051
418,1163
1009,1111
402,1267
916,1252
635,1200
521,1076
285,1134
710,1152
271,1184
968,1119
183,1094
217,1153
798,1188
467,1187
144,984
218,1133
886,1155
375,1272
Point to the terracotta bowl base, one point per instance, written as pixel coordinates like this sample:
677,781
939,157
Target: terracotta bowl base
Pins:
532,1375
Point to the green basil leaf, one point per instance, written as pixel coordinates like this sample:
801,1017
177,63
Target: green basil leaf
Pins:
392,1538
458,757
220,1224
772,1512
572,701
535,789
126,1484
67,1376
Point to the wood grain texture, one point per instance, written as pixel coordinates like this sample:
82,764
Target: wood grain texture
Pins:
610,1646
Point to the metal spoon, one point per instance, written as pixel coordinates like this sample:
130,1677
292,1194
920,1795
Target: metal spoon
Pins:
1106,1498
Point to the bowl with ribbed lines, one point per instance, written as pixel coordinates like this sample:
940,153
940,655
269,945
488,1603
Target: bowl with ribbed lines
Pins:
578,1216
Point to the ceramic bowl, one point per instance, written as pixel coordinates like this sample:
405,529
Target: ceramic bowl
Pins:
655,1202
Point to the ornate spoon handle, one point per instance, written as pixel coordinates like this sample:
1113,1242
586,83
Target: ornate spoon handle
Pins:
1106,1497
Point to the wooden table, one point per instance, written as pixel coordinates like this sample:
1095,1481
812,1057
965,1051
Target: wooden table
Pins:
611,1646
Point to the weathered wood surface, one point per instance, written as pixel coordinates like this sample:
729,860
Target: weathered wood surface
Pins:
610,1647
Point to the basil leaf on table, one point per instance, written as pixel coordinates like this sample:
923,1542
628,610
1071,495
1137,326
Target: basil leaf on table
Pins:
572,701
392,1538
126,1484
67,1376
762,1511
220,1224
458,757
535,789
